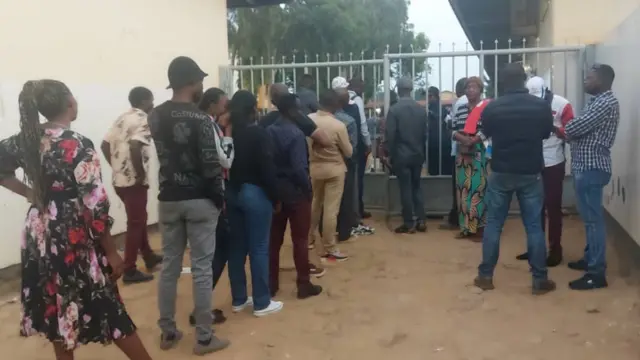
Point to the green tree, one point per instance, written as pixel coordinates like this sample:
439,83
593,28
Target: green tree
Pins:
327,30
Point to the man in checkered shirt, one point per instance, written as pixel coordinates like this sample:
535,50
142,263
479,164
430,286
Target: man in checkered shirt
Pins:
591,136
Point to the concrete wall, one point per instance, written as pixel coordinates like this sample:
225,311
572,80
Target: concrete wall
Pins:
622,196
101,49
588,21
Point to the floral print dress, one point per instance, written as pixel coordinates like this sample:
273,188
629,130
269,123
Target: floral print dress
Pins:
67,295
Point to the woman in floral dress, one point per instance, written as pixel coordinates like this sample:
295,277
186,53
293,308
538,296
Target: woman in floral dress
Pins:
471,165
69,261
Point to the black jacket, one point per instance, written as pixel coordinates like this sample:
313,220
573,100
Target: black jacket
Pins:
406,132
517,122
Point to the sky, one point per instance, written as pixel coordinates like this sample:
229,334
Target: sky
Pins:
436,19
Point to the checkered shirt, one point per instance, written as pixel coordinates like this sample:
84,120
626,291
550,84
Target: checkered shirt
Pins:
591,135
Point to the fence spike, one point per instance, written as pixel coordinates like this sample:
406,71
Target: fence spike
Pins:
388,47
351,56
509,42
496,43
537,42
439,47
481,44
251,60
453,46
362,54
524,42
466,45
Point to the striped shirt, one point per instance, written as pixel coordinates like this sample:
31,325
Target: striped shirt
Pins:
592,134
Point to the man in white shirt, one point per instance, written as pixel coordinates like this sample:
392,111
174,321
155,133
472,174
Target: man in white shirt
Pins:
126,148
553,150
452,219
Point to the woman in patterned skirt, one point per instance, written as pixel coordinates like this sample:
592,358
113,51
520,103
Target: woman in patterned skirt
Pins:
69,261
471,165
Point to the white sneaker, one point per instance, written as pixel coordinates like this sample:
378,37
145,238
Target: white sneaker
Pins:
239,308
274,307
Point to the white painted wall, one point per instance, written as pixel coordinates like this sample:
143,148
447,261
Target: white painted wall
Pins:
588,21
101,49
622,196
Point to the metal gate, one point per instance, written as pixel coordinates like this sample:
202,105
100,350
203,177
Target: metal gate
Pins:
562,67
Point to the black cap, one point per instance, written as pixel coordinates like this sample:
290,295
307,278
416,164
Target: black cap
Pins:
184,71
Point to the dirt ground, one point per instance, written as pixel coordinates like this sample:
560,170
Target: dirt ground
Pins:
401,297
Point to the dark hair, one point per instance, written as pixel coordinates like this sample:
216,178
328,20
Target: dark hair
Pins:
513,76
329,99
605,73
211,96
242,109
138,95
307,80
49,98
433,91
286,103
356,81
460,86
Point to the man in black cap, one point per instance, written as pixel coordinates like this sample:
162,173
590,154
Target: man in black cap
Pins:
190,199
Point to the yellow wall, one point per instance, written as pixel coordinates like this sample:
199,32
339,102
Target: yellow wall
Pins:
588,21
101,49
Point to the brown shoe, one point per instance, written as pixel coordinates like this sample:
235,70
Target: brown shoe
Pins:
484,283
541,287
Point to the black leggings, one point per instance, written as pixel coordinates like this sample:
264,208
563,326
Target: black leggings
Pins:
221,255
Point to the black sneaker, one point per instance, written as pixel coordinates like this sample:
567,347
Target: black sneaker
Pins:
308,290
421,226
366,215
541,287
524,256
151,261
580,265
404,229
218,317
554,259
136,276
589,282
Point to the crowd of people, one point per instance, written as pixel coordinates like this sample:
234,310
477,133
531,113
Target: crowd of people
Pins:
230,181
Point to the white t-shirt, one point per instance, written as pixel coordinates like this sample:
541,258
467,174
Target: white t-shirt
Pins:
553,147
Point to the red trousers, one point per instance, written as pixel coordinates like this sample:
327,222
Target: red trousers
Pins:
553,178
137,241
298,216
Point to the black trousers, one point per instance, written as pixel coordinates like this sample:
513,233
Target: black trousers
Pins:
221,256
348,214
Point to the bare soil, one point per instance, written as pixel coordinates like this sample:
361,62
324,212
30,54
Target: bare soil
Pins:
401,297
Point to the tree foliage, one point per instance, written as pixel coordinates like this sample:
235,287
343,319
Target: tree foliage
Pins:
325,30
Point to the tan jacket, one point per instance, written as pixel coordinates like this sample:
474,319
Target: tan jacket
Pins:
328,162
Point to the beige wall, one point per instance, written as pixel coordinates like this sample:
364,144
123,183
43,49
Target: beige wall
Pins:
101,49
588,21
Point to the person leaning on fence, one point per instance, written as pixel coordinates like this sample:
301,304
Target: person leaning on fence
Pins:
406,136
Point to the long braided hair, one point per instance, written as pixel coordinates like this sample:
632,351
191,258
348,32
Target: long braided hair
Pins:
49,98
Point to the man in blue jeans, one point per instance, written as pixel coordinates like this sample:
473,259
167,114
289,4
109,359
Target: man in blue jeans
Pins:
517,123
591,136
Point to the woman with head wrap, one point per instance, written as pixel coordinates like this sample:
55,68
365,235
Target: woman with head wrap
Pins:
471,162
69,261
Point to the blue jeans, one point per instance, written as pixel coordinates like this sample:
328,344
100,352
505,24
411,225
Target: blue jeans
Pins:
249,212
589,186
530,194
